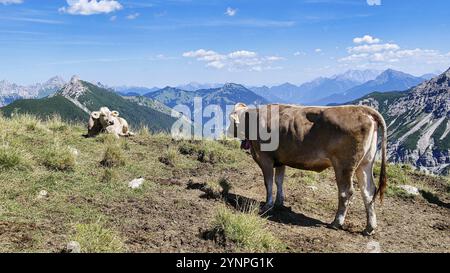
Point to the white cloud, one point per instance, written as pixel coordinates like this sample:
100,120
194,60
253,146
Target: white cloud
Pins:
133,16
89,7
366,39
234,61
382,54
242,54
318,50
373,48
113,18
299,53
9,2
374,2
231,11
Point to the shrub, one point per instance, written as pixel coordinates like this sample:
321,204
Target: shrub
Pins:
113,156
208,151
94,238
144,131
170,157
247,230
59,157
10,158
108,176
56,124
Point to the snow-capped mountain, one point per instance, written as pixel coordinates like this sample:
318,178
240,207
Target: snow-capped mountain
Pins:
10,92
389,80
316,89
360,76
194,86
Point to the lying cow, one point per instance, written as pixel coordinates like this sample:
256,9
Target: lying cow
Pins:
109,122
316,138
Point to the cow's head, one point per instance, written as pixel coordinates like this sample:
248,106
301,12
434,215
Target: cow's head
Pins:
238,123
107,117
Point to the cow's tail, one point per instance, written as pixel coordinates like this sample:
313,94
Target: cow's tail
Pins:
383,178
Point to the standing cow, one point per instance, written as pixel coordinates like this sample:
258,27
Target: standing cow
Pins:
316,138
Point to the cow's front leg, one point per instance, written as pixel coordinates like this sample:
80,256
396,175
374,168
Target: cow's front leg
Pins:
268,181
279,177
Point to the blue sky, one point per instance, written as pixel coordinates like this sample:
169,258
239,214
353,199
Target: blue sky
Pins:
159,43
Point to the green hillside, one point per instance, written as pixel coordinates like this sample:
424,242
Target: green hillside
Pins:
46,107
92,98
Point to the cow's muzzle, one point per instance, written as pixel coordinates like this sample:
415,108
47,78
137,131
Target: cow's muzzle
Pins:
246,144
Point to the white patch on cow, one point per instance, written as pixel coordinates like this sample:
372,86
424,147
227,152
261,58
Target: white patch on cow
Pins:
136,183
410,189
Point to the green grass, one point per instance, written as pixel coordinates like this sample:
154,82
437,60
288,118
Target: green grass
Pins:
58,157
10,158
94,238
209,151
247,230
113,157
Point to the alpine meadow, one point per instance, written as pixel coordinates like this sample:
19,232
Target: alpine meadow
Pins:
224,127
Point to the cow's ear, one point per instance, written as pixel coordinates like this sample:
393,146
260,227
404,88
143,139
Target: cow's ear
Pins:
240,106
234,117
115,114
95,115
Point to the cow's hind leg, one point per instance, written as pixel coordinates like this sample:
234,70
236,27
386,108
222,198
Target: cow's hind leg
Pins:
268,182
279,177
364,175
345,192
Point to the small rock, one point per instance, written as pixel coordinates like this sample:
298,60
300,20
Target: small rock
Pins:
136,183
73,247
373,247
313,188
410,189
42,194
74,151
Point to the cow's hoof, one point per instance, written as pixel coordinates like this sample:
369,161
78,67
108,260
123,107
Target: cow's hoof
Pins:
266,208
369,231
335,226
279,205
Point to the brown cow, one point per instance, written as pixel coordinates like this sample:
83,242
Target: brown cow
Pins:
316,138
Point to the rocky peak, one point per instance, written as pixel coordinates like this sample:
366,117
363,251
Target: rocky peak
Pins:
432,96
232,86
74,88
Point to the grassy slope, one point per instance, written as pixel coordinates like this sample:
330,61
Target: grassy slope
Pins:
179,207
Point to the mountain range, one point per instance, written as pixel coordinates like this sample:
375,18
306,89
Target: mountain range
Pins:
228,94
312,91
10,92
389,80
77,99
418,123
